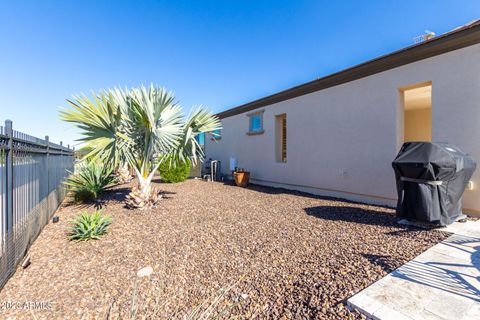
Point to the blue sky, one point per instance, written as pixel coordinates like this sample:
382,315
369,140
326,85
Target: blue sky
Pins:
216,53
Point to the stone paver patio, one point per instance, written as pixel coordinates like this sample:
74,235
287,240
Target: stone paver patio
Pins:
441,283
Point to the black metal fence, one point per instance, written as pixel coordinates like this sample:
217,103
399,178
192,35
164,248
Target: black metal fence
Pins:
32,172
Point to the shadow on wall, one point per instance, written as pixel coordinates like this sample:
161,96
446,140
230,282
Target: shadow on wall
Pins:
355,215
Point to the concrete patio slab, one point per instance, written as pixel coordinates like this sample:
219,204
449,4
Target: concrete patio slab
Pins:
442,283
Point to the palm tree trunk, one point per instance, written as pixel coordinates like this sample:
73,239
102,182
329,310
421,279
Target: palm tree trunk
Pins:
144,194
144,186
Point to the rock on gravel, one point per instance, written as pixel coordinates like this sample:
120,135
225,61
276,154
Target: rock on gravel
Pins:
280,254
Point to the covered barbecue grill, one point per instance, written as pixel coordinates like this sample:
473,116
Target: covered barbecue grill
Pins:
431,178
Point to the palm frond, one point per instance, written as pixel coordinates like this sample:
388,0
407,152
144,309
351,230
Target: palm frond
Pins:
101,124
199,120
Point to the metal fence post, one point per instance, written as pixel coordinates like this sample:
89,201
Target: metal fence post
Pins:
57,192
9,195
47,162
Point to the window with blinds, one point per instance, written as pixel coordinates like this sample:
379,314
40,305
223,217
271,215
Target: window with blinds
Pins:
255,125
256,122
281,138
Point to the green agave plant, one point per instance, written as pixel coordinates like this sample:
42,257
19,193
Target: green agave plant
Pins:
90,181
89,226
137,126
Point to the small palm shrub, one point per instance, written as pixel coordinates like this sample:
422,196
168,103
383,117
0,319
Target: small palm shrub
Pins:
173,170
89,226
90,181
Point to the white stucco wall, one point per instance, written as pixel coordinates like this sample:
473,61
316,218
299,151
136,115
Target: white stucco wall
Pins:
341,140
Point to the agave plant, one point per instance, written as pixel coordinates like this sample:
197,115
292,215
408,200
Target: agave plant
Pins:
137,127
89,226
91,179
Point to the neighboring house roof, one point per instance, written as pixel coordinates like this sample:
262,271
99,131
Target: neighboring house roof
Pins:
458,38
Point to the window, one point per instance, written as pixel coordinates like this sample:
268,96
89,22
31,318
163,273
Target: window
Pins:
216,134
281,138
417,112
255,123
200,139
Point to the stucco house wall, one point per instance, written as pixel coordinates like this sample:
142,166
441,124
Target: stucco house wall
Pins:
341,140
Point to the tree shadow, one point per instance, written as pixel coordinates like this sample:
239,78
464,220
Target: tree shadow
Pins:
166,193
117,194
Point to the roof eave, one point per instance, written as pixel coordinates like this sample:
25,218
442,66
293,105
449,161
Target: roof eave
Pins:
453,40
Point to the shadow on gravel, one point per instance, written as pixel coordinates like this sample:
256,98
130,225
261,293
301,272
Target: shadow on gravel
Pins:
114,194
111,194
165,194
273,190
354,215
387,263
117,194
277,191
399,233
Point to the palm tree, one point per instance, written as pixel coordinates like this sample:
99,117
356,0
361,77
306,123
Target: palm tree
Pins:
139,127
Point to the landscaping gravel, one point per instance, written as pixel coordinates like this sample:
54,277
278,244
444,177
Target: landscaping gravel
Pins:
282,254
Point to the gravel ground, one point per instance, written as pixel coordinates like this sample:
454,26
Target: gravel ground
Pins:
283,254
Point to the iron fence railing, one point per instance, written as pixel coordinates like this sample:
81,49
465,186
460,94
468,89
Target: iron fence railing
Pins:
32,172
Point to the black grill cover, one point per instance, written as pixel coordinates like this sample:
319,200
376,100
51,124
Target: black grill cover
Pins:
431,178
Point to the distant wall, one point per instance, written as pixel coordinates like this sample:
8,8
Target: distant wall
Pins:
341,140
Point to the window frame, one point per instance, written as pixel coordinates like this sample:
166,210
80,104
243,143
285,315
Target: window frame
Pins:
281,137
250,116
